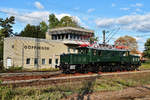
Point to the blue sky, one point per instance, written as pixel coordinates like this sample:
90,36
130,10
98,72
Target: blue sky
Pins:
125,17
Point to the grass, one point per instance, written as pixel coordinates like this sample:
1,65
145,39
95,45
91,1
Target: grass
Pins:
21,69
145,65
49,69
113,84
56,92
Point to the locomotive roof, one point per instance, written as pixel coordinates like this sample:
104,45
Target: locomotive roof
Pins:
113,49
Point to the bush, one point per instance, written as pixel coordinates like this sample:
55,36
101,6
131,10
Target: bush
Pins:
5,92
49,69
14,69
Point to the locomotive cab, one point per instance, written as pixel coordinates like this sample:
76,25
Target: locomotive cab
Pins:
83,50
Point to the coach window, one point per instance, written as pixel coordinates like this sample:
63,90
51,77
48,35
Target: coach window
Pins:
50,61
28,61
56,61
43,61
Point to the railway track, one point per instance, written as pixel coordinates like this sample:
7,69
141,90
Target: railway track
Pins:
56,78
29,73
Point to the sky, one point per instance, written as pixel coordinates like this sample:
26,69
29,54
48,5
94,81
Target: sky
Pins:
118,17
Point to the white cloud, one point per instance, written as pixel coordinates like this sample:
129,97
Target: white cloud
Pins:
59,16
90,10
125,9
76,8
140,23
137,5
138,10
113,4
36,17
38,5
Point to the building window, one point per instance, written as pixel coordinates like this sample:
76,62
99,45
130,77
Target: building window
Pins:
28,61
36,61
66,36
56,61
12,46
50,61
78,37
43,61
70,36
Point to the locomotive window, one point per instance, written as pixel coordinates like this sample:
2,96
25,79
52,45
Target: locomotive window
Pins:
94,52
68,50
83,51
99,53
125,53
113,54
74,50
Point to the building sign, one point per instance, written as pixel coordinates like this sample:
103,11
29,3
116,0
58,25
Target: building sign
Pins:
36,47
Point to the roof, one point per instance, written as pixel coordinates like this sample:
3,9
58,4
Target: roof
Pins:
107,49
30,39
69,30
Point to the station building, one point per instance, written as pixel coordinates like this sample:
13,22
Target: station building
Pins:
35,53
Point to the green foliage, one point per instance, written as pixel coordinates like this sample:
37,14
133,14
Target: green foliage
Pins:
53,21
15,68
147,48
5,31
1,50
145,65
93,39
32,31
114,84
65,21
57,92
43,27
6,25
6,93
49,69
128,41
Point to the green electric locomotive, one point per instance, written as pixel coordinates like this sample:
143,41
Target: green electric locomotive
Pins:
90,59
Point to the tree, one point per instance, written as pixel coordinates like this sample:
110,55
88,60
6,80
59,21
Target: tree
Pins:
1,44
93,39
43,27
32,31
6,26
65,21
128,41
147,48
53,21
5,31
68,21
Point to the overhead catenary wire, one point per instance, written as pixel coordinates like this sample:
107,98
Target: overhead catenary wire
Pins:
113,35
110,34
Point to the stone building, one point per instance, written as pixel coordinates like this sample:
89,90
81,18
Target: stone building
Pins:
33,53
